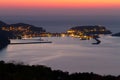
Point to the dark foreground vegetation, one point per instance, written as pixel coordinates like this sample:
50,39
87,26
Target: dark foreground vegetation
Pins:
11,71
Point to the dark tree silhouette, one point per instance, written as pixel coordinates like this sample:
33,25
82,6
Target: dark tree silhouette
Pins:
10,71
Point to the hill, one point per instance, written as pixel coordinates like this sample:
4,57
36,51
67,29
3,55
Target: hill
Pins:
22,29
87,32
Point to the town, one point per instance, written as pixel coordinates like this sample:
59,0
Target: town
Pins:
22,30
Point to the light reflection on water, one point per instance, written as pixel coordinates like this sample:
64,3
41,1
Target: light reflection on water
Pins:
69,54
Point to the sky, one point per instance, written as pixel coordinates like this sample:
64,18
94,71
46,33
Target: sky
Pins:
59,15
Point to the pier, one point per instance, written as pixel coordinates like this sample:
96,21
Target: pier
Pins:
30,43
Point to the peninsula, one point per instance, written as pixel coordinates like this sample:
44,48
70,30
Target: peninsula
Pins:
20,30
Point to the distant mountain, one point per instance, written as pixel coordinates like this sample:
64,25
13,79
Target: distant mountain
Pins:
116,34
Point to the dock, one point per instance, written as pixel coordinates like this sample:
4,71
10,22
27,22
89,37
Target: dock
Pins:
30,43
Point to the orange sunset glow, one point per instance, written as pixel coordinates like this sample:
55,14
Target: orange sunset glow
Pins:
60,3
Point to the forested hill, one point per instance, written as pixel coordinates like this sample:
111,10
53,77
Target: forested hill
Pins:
23,25
95,29
21,29
31,27
10,71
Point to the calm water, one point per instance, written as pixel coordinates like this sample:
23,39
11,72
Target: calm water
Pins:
69,54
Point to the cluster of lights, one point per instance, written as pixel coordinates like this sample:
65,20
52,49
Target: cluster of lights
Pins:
25,32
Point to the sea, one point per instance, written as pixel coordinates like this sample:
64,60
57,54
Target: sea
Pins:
69,54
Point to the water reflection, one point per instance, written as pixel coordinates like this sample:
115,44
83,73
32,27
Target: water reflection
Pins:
69,54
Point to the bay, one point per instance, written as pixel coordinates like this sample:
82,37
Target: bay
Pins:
69,54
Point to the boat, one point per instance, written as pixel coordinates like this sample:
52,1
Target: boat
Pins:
28,41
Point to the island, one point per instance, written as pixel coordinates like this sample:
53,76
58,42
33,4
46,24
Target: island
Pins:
116,34
87,32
